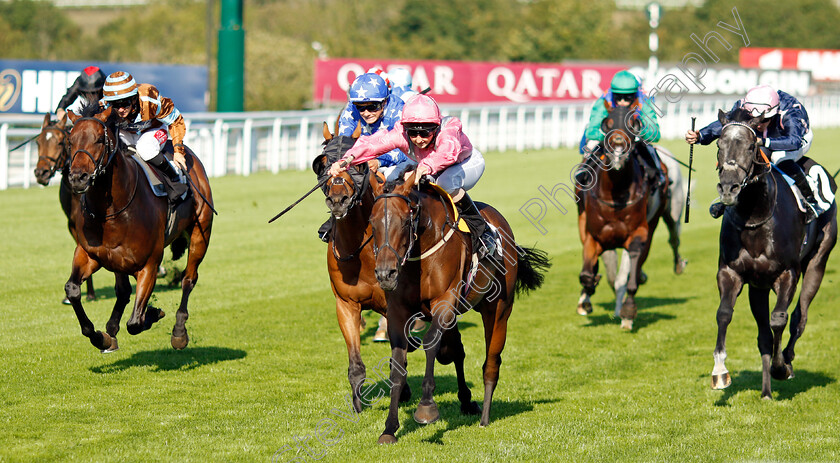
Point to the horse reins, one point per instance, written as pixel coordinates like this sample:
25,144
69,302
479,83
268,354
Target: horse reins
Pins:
99,168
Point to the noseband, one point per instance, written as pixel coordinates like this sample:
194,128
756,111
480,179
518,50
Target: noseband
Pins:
412,217
751,175
110,147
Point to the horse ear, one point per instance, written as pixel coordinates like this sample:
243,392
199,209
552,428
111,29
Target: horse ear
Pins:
358,132
607,105
327,135
63,121
73,117
104,115
755,121
46,120
722,117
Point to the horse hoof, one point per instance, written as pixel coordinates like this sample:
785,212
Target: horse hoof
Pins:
584,308
626,324
180,342
781,373
65,301
679,267
153,314
471,408
721,381
418,327
642,278
790,371
113,348
89,297
387,439
426,414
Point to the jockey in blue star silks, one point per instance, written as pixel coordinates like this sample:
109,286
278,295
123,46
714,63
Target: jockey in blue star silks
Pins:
370,104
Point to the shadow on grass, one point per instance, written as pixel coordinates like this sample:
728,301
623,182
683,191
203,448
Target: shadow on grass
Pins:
104,287
171,359
450,409
749,380
644,318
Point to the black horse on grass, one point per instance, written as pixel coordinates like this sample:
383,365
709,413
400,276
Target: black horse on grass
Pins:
765,243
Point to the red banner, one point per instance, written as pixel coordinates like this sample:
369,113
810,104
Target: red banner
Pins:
473,82
823,64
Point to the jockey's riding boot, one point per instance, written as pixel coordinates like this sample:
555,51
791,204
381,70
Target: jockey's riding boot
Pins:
813,209
653,173
324,231
482,245
175,189
716,210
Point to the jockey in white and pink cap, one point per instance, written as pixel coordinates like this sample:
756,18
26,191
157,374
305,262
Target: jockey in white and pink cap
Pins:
784,134
441,149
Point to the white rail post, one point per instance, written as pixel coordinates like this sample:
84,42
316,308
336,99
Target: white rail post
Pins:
4,161
247,149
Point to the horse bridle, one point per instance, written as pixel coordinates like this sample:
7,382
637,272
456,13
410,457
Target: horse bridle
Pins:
65,150
99,166
413,225
750,176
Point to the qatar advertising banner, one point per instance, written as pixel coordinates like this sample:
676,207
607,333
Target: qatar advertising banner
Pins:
823,64
473,82
37,86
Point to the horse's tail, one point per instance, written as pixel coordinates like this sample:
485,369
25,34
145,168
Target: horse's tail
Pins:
532,264
178,247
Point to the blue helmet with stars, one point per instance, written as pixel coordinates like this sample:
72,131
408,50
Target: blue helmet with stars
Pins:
368,87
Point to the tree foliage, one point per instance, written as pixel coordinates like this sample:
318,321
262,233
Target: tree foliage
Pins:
280,33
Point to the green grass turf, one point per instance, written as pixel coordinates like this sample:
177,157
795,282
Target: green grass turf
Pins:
267,363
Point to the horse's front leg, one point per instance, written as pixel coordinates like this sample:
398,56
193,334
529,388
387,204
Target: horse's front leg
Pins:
589,274
635,249
122,289
785,288
397,319
83,268
444,318
729,285
349,316
760,304
141,318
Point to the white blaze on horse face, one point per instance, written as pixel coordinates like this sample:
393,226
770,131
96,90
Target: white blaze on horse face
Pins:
730,165
48,136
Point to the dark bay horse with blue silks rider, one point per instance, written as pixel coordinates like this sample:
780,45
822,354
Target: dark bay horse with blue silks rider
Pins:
618,208
54,157
765,244
423,264
124,227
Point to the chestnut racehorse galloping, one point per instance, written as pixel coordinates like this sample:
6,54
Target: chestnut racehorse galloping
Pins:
350,259
122,226
422,263
617,208
54,156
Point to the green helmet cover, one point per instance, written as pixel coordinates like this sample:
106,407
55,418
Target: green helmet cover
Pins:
624,82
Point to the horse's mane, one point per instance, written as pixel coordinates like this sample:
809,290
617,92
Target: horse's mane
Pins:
91,109
400,180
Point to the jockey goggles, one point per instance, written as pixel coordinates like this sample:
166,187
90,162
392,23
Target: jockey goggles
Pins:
124,103
421,131
372,106
760,109
629,97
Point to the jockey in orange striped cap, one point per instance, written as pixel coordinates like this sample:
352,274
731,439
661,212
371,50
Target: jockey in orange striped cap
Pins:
151,123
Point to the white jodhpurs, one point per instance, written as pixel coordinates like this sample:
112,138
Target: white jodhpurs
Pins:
464,174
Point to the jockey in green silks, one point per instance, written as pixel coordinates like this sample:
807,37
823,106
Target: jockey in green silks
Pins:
625,89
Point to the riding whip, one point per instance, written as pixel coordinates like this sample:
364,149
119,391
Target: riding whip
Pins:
195,188
690,162
25,142
319,185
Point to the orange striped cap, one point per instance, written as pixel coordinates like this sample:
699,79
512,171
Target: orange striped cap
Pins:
118,86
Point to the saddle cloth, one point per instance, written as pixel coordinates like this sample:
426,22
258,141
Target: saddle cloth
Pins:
817,178
450,205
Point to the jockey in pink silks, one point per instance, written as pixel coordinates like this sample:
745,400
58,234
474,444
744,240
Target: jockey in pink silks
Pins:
441,149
